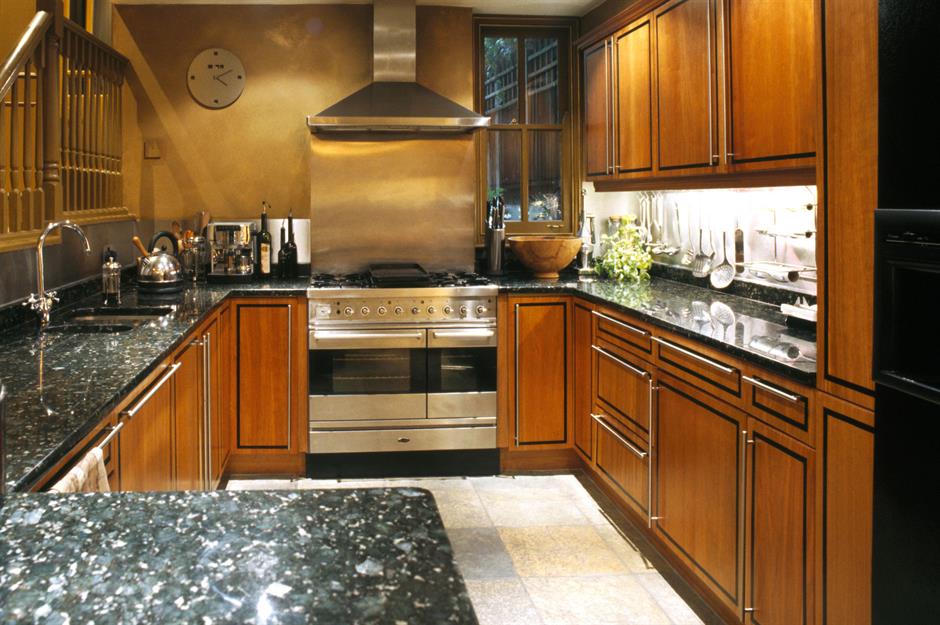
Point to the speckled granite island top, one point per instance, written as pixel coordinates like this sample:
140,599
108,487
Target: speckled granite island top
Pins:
338,557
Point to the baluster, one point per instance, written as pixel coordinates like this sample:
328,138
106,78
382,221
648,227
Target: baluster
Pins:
5,137
39,196
16,171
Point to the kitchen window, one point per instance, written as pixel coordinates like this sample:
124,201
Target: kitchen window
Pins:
527,153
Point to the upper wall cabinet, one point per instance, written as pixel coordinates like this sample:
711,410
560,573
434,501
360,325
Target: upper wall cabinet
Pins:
699,88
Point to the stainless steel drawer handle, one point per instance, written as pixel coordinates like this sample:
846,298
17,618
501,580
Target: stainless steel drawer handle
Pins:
772,389
462,334
633,329
636,451
171,371
623,363
345,336
691,354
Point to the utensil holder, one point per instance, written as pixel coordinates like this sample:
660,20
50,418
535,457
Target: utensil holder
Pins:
495,243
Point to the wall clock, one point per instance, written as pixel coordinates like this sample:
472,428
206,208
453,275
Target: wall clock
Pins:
216,78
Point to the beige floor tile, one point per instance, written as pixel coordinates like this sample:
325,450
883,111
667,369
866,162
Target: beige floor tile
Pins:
560,551
261,484
631,558
502,602
461,508
526,506
671,603
608,600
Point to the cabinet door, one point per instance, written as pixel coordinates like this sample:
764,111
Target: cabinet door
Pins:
699,465
597,115
583,362
146,440
264,343
685,84
225,374
634,98
772,64
540,370
189,418
780,492
216,424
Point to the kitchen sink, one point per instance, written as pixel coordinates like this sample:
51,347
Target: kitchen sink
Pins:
90,328
115,316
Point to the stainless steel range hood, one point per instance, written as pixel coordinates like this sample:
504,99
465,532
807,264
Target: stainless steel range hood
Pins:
394,102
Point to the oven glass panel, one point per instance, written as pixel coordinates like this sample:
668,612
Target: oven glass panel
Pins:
462,369
915,346
367,371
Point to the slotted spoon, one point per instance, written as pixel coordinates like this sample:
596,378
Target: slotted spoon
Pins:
722,275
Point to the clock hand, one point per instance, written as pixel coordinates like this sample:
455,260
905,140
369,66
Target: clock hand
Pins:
220,80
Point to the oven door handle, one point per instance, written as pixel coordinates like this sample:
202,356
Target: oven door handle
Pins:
474,337
372,339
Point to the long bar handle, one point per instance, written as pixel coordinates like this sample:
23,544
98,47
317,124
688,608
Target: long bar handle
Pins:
462,334
639,453
627,326
171,371
623,363
111,435
290,372
329,335
691,354
772,389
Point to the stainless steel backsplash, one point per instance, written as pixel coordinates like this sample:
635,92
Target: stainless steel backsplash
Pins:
375,199
66,262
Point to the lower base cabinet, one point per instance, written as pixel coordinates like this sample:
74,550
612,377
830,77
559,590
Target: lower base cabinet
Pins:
780,501
145,447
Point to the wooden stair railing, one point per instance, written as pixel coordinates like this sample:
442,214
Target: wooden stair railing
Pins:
60,128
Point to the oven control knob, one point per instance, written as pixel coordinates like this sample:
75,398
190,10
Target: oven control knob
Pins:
382,310
431,310
448,310
365,311
481,310
463,311
348,311
399,310
415,310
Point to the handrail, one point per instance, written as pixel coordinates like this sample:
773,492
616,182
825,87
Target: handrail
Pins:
31,39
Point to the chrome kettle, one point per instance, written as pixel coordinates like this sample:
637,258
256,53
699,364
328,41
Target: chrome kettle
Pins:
160,272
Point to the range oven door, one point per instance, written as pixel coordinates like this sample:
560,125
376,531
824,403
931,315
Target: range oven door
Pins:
368,375
462,373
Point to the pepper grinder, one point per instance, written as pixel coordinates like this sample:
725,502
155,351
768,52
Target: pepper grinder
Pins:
111,279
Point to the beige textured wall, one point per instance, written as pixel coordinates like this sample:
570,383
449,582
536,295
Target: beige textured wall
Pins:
298,60
14,17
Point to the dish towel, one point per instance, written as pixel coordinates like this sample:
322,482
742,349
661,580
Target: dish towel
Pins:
88,476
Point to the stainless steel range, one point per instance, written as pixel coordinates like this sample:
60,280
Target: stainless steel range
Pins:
401,360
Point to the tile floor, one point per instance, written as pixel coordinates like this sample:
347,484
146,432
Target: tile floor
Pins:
545,549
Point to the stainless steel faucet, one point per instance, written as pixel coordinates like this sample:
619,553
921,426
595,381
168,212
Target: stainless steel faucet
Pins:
42,301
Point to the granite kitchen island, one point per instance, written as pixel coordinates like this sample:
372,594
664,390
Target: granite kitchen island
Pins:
342,556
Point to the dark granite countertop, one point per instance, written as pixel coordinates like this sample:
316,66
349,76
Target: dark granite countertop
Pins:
319,556
748,330
60,385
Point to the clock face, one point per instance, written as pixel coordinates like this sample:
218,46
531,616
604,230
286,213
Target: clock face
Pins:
216,78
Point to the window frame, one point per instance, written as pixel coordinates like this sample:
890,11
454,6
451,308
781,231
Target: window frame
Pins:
566,30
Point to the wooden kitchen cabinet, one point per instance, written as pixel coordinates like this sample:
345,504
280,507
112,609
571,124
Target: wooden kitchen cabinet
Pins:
633,101
699,486
771,62
583,355
539,366
597,133
146,438
780,537
686,85
189,417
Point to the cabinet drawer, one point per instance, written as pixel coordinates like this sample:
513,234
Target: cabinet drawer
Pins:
784,405
620,336
623,389
624,459
700,369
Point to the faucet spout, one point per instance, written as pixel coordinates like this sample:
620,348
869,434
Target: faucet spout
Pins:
41,301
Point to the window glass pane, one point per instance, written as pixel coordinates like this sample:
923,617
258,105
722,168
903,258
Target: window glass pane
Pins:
501,79
545,175
541,81
505,170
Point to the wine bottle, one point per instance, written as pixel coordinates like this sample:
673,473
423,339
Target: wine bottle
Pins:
291,251
264,245
282,260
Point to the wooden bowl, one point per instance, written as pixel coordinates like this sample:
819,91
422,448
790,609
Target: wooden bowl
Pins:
545,255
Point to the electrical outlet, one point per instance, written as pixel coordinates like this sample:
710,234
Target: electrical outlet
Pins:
151,149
